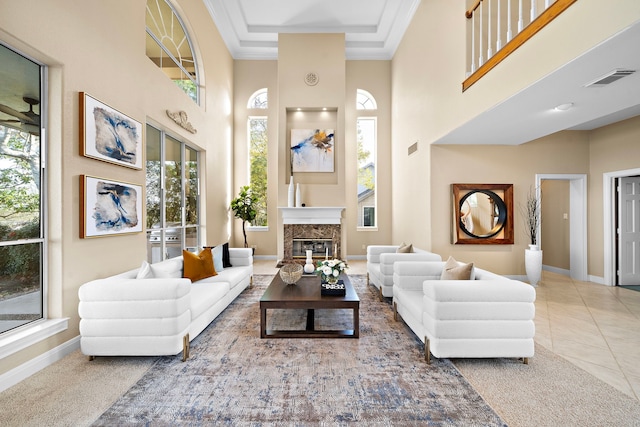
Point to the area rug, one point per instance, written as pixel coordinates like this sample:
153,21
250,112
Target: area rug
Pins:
235,378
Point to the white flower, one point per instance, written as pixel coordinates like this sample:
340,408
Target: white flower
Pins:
326,270
331,263
336,273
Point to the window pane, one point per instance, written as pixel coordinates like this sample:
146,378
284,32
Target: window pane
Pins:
191,189
191,242
153,180
366,170
20,285
173,182
258,167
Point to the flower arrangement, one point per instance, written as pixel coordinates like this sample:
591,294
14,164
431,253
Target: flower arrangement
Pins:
330,269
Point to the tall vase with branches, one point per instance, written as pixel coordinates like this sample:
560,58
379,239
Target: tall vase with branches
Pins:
244,207
531,214
532,256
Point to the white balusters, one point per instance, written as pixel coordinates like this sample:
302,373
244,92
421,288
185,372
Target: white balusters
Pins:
489,28
520,16
498,30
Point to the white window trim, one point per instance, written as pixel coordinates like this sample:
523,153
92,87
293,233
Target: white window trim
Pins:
30,334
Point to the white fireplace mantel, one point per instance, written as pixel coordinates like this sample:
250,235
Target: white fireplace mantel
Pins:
312,215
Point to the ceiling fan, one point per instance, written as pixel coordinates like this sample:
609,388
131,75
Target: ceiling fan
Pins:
27,121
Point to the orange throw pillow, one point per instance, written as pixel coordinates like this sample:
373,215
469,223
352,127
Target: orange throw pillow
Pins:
198,267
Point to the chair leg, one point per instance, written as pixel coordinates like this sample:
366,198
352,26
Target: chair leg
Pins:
185,348
427,351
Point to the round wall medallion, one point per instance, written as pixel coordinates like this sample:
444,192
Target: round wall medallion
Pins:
311,79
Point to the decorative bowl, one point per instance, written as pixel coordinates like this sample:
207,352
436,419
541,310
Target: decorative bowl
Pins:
291,273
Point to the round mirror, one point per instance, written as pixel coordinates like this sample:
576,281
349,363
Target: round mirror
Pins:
482,213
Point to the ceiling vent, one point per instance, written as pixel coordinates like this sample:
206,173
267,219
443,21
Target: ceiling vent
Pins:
610,77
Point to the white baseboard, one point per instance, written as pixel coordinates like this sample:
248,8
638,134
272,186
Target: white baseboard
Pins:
24,371
557,270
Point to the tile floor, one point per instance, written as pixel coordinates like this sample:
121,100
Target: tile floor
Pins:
595,327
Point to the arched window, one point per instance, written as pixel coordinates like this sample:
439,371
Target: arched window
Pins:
258,144
259,99
367,141
169,47
365,101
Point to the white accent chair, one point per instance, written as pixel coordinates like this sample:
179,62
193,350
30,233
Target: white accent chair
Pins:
380,260
489,316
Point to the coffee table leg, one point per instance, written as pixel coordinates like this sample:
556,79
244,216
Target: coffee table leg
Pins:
263,323
311,314
356,322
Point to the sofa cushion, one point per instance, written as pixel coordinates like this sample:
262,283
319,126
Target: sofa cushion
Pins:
454,270
234,276
405,249
206,295
144,272
200,266
167,269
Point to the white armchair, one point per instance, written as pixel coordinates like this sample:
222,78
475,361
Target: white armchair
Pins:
490,316
380,260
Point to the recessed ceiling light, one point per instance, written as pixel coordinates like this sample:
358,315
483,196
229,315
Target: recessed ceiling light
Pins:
564,107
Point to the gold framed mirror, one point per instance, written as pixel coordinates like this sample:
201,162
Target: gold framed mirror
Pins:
482,214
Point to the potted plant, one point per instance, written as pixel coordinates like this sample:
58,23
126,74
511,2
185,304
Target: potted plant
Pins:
244,207
532,256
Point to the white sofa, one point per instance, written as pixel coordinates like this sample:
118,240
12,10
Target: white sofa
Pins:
124,316
489,316
380,260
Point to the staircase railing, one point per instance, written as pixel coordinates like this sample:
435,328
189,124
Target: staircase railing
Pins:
496,28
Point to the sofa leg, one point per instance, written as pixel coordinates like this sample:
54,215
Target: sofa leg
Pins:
368,279
91,358
185,348
381,297
251,282
427,351
525,360
395,311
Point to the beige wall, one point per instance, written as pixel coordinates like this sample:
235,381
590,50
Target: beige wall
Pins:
612,148
555,227
96,48
564,152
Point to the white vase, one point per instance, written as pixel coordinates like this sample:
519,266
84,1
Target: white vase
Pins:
309,267
533,264
291,193
298,198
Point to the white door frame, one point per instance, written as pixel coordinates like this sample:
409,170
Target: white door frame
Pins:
577,223
608,193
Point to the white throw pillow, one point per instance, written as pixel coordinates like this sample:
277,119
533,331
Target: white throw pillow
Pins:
168,269
144,272
217,258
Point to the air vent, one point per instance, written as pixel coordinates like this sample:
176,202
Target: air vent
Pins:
609,78
413,148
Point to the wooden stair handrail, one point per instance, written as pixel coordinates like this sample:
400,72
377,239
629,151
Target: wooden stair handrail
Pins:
529,31
469,13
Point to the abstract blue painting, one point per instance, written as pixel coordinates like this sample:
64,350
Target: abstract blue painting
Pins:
312,150
110,207
109,135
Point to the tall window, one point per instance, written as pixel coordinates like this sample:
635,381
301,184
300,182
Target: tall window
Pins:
366,146
169,47
22,234
173,219
257,130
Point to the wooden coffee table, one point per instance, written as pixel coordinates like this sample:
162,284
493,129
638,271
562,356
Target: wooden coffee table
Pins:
305,294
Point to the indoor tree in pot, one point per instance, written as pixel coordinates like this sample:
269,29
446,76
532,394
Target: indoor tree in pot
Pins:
533,255
244,207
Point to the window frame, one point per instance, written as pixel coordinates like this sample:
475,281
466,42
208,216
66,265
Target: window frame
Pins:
165,229
369,115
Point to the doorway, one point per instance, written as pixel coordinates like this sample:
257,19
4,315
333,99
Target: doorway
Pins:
610,201
628,231
578,221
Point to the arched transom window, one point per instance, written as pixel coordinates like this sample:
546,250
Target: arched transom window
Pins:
169,47
259,99
365,101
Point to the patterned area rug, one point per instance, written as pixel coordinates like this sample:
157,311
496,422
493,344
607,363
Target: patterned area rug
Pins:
235,378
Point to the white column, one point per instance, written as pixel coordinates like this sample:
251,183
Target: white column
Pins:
520,17
489,47
498,30
509,32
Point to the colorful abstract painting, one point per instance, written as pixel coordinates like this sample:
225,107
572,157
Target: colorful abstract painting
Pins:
109,135
312,150
110,207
